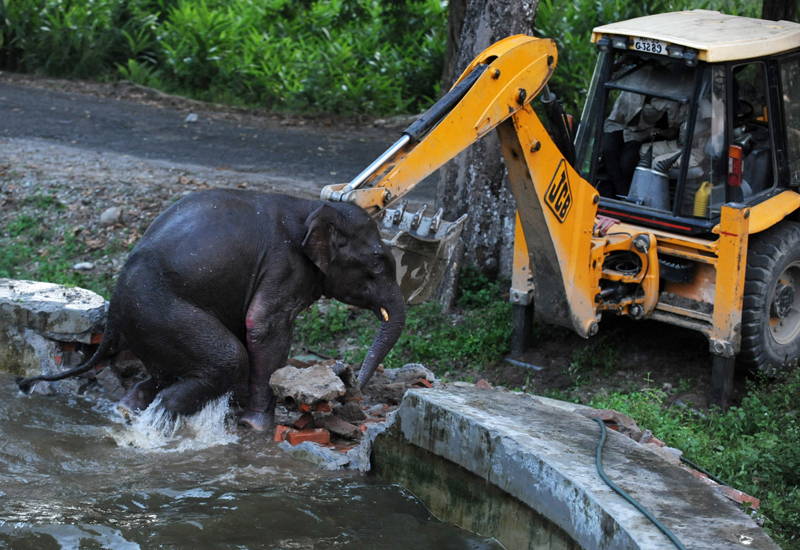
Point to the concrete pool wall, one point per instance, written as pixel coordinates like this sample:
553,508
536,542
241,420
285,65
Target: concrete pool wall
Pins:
515,447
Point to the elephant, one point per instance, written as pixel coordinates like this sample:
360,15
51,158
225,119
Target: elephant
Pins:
207,299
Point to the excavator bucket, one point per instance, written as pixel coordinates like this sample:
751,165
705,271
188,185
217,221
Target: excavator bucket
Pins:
422,247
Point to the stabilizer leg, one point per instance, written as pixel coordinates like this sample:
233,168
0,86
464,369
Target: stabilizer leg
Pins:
722,381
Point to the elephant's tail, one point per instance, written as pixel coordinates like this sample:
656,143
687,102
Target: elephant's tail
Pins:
107,344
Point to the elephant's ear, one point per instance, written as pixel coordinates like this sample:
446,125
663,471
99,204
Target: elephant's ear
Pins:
319,241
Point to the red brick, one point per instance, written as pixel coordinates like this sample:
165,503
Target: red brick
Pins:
422,383
323,407
305,408
483,385
67,346
280,433
96,338
740,497
315,435
305,421
57,359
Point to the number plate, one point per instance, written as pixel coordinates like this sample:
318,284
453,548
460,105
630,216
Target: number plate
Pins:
649,45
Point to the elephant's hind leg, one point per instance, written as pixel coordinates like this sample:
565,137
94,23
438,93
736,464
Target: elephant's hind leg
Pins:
138,398
192,349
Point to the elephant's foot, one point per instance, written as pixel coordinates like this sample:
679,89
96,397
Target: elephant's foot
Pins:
138,398
259,421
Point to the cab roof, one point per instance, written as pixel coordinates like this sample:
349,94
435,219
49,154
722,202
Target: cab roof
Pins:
716,36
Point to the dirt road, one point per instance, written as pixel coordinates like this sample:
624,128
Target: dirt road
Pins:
294,155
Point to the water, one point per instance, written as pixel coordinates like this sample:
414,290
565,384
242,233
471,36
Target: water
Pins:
74,476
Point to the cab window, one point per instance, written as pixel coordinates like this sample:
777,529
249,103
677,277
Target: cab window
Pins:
750,120
790,79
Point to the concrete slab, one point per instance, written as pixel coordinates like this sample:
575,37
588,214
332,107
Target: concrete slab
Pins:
545,457
35,316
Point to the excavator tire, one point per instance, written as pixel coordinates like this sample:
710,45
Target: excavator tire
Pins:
771,309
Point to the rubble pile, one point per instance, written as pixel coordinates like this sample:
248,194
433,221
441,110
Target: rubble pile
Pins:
325,405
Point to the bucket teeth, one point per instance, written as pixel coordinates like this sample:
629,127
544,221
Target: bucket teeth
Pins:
437,220
422,247
397,215
415,221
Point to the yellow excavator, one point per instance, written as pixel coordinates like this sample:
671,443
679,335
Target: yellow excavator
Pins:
676,198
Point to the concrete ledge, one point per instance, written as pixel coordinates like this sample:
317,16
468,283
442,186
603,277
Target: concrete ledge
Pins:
544,457
35,317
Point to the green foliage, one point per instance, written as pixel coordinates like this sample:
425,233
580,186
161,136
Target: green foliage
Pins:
341,56
753,447
322,325
476,337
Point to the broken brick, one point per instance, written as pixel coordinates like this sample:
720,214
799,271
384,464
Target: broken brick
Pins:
280,433
297,363
315,435
740,497
729,492
341,428
422,383
96,338
67,346
305,408
305,421
323,407
483,385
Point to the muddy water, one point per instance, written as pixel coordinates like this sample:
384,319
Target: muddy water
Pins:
74,476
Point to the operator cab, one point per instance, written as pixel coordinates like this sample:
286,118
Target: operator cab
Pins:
688,111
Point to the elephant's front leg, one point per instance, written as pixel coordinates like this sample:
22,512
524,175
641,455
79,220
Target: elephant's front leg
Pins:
269,339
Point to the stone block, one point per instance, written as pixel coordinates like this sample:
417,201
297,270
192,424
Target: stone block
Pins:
35,317
297,387
341,428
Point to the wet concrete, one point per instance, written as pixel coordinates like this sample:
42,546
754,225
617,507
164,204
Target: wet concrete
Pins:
545,457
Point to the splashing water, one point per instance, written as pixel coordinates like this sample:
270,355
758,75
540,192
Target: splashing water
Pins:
155,430
73,475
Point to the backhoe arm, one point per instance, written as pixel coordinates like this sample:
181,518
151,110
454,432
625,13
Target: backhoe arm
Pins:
556,207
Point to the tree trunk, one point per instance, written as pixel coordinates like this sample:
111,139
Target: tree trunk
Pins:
779,10
455,23
476,182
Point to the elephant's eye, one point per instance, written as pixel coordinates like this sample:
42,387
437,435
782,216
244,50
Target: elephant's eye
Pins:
377,265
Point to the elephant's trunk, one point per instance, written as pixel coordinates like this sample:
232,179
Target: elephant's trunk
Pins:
393,319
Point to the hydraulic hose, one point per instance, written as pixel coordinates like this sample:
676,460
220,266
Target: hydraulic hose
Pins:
626,496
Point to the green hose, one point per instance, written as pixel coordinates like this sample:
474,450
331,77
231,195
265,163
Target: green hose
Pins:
623,494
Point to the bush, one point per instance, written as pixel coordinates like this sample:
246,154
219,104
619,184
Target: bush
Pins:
341,56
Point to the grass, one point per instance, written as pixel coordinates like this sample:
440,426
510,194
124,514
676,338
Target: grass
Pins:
477,335
34,247
755,447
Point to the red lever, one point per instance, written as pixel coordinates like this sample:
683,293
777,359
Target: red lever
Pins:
735,166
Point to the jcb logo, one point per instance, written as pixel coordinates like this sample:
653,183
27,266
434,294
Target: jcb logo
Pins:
559,196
